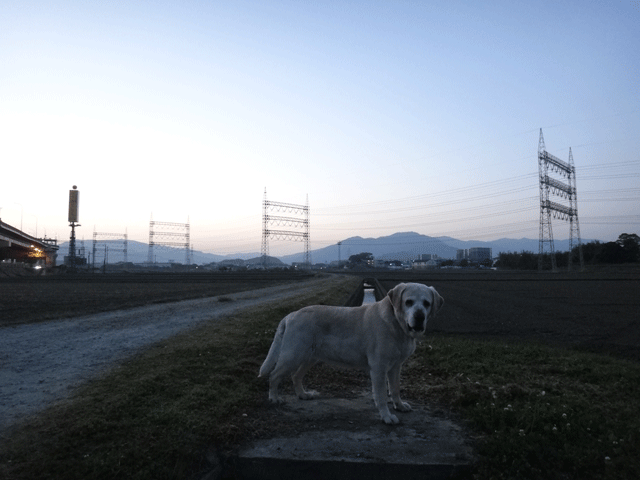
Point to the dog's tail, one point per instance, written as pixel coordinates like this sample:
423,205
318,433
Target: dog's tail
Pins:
274,352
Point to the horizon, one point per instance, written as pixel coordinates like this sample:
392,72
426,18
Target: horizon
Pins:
251,255
386,117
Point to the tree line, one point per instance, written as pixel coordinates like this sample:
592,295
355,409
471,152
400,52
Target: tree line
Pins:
626,249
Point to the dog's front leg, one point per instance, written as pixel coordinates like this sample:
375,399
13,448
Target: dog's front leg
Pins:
379,386
394,390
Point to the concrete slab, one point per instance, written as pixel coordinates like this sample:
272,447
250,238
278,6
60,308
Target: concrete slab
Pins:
345,438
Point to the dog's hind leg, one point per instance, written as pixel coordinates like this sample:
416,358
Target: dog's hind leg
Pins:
274,381
297,381
287,365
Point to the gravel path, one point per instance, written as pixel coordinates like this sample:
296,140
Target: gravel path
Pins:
41,363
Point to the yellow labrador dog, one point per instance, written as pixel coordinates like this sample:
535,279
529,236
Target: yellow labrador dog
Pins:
376,337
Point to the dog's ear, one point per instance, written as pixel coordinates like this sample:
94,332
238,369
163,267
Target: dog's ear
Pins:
438,301
395,295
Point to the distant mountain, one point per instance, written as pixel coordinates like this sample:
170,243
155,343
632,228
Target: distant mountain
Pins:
410,245
252,262
508,244
138,252
399,246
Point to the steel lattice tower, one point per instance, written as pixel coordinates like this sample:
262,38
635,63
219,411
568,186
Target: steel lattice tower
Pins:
301,221
117,236
170,235
547,164
574,224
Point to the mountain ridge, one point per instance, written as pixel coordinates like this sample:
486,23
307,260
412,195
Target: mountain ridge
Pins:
397,246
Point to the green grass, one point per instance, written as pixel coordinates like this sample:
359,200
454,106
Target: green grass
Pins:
534,411
537,411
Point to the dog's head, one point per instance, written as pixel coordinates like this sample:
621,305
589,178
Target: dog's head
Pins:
414,304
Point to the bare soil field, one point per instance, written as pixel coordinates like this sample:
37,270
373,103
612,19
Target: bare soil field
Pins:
596,310
31,299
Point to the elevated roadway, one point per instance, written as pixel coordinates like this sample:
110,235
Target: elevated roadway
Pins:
19,247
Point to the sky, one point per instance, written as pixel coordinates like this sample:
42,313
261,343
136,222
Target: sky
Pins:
382,116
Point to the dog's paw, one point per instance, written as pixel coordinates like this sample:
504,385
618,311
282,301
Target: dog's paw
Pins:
402,407
389,419
308,395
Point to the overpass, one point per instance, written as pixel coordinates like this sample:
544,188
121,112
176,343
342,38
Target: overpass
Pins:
17,247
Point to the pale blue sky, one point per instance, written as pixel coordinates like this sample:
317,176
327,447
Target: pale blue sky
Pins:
390,116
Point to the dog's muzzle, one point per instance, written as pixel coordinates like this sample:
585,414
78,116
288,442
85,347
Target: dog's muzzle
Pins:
418,322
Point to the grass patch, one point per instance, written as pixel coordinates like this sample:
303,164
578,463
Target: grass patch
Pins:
537,411
155,416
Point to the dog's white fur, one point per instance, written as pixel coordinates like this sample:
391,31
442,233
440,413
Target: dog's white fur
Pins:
377,338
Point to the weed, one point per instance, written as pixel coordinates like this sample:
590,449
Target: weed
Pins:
539,412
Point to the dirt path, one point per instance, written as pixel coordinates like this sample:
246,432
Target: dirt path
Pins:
41,363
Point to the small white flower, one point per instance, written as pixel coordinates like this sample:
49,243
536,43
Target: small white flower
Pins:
564,415
543,393
607,459
554,429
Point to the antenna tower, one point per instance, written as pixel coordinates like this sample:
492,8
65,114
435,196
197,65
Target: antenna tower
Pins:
170,234
300,221
547,164
74,200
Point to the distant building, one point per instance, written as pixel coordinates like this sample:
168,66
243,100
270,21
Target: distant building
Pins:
462,253
478,254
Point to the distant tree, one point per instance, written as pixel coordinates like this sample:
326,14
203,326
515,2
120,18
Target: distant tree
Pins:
464,262
360,258
528,261
447,263
562,259
487,262
630,244
518,261
589,252
611,252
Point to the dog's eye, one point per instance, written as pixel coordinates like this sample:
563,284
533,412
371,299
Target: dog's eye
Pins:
408,303
426,304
